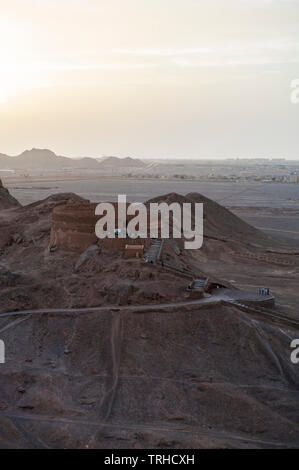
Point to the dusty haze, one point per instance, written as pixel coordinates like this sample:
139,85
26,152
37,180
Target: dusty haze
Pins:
178,78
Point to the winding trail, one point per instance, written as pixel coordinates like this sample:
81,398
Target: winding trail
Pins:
218,434
20,419
114,308
116,344
214,300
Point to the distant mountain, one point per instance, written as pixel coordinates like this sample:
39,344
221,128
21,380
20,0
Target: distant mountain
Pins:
127,162
38,158
86,162
45,159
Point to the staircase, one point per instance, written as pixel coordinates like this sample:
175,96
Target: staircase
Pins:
153,253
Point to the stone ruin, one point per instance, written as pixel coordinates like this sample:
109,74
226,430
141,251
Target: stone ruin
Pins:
73,229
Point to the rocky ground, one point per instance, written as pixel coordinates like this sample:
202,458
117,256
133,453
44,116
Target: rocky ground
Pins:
182,379
190,376
6,199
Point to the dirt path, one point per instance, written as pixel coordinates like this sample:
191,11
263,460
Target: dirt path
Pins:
114,308
216,300
148,427
116,343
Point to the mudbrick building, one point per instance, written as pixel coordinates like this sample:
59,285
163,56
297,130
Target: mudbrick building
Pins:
73,229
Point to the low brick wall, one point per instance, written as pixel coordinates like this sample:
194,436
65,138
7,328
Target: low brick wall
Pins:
134,251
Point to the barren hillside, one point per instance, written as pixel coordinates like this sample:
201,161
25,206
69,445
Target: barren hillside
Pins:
146,368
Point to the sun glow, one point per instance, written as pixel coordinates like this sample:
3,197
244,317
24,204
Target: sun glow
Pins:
16,73
2,97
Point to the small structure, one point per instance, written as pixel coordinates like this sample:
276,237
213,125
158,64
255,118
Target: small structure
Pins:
197,288
154,251
134,251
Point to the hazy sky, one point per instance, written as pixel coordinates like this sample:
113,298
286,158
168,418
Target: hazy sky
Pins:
149,78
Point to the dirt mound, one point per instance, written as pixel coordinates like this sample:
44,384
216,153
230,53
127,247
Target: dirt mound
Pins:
26,248
6,200
55,279
48,204
33,219
206,378
30,226
219,222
